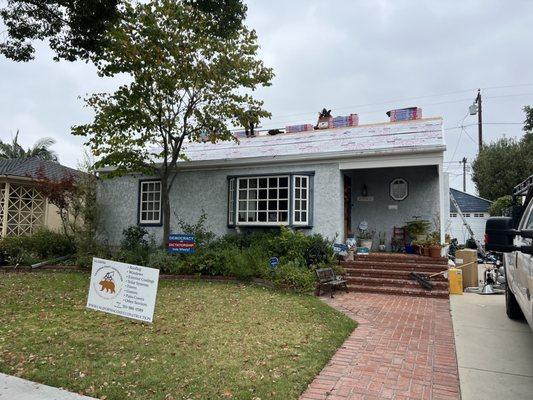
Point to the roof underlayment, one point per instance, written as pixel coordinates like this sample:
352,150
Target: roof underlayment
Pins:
421,134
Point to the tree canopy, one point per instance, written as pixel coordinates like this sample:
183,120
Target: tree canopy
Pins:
503,164
77,29
187,84
41,149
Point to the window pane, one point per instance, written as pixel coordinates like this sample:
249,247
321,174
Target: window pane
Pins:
303,216
283,193
272,193
297,216
263,183
297,181
283,182
145,196
273,217
304,193
157,196
143,216
283,205
262,205
283,216
263,194
149,216
272,182
272,205
242,216
242,194
304,182
251,217
262,216
242,205
252,194
297,193
156,215
253,183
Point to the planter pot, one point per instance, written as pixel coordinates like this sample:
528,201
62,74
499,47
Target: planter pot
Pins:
382,247
366,243
434,251
425,251
410,249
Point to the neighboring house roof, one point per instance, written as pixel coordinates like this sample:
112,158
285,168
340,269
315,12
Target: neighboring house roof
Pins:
28,167
469,202
404,136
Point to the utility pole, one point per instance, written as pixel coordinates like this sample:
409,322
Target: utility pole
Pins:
464,173
479,120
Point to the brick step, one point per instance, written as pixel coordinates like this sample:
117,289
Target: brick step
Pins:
378,281
404,291
392,274
402,258
393,266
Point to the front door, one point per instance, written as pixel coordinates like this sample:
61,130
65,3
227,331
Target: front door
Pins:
347,206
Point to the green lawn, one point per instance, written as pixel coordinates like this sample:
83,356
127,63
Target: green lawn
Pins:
208,340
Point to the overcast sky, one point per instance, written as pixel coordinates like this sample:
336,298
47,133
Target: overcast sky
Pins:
351,56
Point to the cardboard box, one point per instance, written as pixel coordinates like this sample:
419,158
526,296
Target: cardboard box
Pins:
470,272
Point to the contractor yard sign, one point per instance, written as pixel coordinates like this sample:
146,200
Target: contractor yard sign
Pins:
123,289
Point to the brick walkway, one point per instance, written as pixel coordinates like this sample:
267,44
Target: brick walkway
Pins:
402,349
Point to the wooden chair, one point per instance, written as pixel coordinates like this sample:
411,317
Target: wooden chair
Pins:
327,278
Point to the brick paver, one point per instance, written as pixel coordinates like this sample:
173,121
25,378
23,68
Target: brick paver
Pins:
402,349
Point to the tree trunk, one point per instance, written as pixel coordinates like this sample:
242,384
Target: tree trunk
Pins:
166,209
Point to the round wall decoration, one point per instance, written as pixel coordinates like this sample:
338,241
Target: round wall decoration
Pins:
399,189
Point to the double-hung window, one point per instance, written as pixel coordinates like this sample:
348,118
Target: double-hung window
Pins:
150,202
272,200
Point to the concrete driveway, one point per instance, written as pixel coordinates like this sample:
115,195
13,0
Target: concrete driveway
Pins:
494,353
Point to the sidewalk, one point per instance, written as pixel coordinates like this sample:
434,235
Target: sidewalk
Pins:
13,388
494,353
403,349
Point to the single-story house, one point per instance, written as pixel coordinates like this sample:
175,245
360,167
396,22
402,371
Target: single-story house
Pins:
23,209
321,181
476,212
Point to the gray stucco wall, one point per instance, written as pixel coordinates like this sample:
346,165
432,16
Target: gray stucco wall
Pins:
422,201
206,190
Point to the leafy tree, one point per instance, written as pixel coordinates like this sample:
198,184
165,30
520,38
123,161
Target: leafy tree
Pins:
503,164
77,29
41,149
187,83
500,204
74,28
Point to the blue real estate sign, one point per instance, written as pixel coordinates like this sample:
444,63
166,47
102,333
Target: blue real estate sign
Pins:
181,243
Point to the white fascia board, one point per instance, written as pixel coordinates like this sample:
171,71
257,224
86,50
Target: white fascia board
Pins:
344,158
412,159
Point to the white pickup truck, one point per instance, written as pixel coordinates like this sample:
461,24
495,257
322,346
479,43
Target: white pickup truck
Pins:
513,236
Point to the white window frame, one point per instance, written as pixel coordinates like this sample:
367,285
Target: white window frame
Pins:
299,189
143,185
231,201
267,188
453,215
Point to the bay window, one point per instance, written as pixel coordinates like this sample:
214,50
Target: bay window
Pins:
272,200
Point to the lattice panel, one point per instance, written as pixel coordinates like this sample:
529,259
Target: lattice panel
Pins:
25,210
2,195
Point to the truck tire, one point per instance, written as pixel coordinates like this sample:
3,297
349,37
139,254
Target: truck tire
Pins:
511,305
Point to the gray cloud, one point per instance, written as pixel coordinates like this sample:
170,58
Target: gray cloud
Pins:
346,55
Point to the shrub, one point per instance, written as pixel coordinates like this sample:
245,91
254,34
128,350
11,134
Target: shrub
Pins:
295,275
202,236
500,205
41,246
134,237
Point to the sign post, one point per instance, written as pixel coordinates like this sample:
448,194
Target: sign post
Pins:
123,289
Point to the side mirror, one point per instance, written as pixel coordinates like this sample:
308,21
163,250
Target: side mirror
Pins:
499,234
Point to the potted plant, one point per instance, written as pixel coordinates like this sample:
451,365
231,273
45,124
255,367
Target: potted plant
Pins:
417,229
365,239
382,236
434,245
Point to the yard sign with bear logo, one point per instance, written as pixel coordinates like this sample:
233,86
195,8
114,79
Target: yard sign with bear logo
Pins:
123,289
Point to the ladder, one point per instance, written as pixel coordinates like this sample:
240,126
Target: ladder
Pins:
480,248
